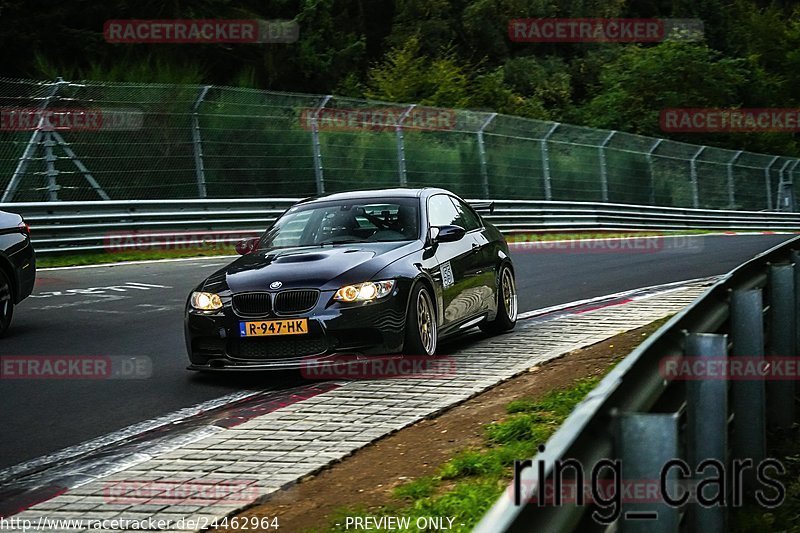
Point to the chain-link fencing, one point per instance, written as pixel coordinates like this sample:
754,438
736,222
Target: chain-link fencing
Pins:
122,141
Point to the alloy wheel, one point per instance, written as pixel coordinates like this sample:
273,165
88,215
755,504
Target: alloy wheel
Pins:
509,290
426,324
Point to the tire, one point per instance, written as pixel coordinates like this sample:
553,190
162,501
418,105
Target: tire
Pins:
6,303
507,307
421,327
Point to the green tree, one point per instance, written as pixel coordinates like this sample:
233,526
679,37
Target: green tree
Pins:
408,76
644,80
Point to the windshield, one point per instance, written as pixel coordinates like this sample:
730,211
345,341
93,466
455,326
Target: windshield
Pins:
346,221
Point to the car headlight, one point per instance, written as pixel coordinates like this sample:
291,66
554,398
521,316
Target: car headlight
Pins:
206,301
364,292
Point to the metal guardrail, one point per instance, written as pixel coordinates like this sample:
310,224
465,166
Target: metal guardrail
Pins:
76,227
641,418
61,227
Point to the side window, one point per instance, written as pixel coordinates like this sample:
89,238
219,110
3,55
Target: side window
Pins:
467,218
441,211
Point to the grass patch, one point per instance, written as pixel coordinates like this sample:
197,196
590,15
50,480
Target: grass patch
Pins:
423,487
785,517
589,234
467,485
144,255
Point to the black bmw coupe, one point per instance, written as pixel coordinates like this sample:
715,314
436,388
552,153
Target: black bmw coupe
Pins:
17,265
367,273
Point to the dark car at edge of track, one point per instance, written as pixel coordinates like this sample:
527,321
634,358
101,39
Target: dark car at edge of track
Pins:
366,272
17,265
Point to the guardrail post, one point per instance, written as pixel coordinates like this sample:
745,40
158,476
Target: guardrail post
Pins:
548,194
30,148
646,442
768,182
197,143
482,155
707,428
318,174
693,175
748,397
603,168
795,258
781,320
401,147
731,184
652,171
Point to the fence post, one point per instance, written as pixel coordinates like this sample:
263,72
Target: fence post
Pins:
652,171
791,171
482,154
748,397
603,168
780,392
792,201
197,143
548,194
693,175
768,182
707,428
318,174
30,148
50,162
401,148
781,198
731,185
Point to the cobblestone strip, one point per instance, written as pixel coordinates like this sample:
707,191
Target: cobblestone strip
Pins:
232,469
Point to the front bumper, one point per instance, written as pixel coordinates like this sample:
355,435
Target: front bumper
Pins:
214,343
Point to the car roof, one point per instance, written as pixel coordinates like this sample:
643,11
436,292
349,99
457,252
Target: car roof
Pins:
398,192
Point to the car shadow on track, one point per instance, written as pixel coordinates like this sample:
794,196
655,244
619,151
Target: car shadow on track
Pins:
255,380
285,379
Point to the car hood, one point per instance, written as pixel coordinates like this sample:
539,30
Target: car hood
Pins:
323,267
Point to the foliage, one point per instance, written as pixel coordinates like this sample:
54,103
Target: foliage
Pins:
451,53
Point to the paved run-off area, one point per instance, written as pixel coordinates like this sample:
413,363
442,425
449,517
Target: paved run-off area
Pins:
216,475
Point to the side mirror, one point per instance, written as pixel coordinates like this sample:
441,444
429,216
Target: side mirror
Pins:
447,233
247,246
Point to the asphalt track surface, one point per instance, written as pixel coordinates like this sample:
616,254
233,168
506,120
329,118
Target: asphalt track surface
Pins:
137,310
